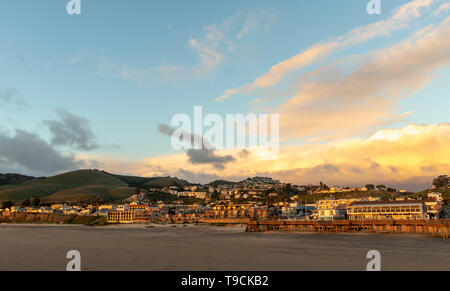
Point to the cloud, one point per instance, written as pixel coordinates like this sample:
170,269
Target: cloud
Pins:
444,8
207,52
9,95
397,21
219,40
407,158
212,46
210,49
244,153
255,21
330,104
29,153
72,131
196,177
205,155
77,58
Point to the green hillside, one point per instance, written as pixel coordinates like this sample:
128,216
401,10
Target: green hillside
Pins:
77,179
91,194
154,182
159,182
132,181
21,192
81,182
84,186
14,179
445,191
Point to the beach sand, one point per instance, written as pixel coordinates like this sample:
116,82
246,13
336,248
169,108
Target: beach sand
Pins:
137,247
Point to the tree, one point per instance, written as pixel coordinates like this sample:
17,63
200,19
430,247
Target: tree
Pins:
370,187
381,187
5,204
441,181
391,190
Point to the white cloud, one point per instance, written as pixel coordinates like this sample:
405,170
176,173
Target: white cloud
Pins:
443,8
334,105
397,21
76,58
212,47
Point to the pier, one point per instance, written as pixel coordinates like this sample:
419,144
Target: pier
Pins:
225,220
434,228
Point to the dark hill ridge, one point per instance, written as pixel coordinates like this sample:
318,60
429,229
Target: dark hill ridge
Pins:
80,186
92,184
221,182
154,182
14,179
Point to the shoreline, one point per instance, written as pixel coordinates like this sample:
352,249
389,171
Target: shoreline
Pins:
137,247
237,228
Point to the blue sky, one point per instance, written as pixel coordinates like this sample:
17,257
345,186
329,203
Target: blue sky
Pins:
127,66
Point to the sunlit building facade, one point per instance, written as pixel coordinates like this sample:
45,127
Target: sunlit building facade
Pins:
120,216
398,210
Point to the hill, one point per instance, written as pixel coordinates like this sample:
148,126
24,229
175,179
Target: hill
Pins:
160,182
14,179
154,182
445,191
88,194
82,186
221,182
70,185
132,181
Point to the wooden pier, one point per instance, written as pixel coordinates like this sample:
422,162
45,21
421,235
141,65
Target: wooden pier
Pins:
435,228
225,220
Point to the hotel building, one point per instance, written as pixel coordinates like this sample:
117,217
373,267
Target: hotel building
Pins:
120,216
398,210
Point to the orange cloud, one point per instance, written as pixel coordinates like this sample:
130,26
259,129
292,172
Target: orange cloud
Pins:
334,105
406,158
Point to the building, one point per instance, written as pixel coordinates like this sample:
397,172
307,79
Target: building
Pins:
331,209
137,206
198,195
336,213
261,212
237,211
288,212
306,210
149,214
397,210
126,216
432,208
436,196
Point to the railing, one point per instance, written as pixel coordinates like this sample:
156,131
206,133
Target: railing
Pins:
436,228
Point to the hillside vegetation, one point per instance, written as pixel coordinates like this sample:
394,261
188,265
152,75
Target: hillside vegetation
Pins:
14,179
154,182
85,186
73,186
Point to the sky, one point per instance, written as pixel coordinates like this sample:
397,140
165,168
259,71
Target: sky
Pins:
362,98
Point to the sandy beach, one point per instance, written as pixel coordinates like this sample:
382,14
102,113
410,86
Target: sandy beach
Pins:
137,247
